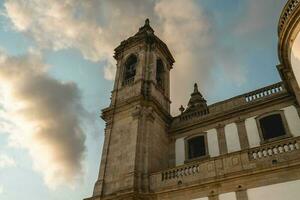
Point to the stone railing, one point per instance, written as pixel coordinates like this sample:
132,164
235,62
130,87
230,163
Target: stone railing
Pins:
238,101
273,149
264,92
185,170
274,154
288,10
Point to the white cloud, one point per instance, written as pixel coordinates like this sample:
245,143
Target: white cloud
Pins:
1,189
6,161
96,27
187,31
42,115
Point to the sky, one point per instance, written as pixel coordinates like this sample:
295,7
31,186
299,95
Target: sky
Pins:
57,71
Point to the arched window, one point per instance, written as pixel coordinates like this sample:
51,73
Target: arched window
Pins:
272,126
160,72
130,69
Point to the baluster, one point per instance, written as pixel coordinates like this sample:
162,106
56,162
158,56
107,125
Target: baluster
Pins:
265,153
297,145
259,154
275,150
292,148
280,149
194,169
286,148
198,168
270,152
254,154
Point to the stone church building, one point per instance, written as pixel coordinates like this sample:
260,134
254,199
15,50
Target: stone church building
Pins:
207,151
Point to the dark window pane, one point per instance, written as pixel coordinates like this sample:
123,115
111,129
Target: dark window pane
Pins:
160,73
130,67
272,126
196,147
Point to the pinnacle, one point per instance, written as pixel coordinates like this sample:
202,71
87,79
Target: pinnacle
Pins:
147,22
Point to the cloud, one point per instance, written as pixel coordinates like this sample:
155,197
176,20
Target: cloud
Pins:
1,189
57,24
95,28
188,33
42,115
257,16
6,161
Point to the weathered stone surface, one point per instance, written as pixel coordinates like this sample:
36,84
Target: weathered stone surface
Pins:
138,157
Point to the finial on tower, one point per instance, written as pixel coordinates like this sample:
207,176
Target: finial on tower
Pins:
147,22
196,88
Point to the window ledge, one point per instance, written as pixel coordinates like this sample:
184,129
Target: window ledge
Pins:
197,159
276,139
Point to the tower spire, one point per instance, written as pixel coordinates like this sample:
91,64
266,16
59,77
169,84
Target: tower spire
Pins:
147,22
196,88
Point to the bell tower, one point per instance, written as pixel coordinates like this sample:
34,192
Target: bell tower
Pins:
136,141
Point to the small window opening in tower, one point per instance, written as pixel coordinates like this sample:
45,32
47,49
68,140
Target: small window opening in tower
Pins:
160,72
196,147
130,70
272,126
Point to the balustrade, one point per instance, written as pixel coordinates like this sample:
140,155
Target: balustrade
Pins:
264,92
274,149
288,11
181,171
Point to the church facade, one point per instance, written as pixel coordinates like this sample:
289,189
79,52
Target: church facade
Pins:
249,141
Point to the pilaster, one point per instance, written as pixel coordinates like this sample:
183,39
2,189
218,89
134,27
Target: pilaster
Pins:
241,195
242,132
222,139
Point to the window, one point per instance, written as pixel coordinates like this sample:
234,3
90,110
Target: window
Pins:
160,73
130,69
196,147
272,126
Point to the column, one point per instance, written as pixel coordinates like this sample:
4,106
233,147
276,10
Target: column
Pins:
242,132
241,195
222,139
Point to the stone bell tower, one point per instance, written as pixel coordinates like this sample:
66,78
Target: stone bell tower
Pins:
136,141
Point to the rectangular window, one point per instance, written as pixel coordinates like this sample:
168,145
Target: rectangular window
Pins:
196,147
272,126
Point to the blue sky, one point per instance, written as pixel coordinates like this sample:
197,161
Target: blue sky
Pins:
228,48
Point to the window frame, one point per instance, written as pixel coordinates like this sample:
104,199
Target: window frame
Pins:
186,148
284,122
